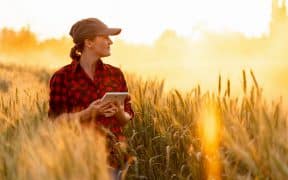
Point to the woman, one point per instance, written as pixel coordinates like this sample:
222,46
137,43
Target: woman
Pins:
76,89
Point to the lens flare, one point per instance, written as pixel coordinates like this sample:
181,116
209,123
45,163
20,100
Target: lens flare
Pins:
209,125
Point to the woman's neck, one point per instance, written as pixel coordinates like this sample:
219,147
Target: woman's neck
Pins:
88,62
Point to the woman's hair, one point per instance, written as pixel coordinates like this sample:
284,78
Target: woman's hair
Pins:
76,50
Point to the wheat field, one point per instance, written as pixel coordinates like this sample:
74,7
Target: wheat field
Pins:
174,135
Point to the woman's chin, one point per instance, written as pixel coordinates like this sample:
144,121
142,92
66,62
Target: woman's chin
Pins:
106,54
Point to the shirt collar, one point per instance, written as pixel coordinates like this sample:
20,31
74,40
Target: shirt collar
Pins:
75,64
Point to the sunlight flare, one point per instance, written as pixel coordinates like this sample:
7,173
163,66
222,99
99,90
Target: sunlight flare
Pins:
209,126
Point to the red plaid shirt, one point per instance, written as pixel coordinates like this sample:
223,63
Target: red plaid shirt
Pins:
71,90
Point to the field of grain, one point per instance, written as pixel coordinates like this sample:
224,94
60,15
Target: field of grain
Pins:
174,135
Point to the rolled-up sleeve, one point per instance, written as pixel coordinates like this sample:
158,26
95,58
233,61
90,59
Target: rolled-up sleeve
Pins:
57,96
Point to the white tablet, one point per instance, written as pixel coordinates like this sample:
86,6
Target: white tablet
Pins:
115,96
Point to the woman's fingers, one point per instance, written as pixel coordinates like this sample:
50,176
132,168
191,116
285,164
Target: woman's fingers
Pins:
99,104
110,108
98,101
111,112
105,108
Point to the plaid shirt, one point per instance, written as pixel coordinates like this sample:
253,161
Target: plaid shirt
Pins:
71,90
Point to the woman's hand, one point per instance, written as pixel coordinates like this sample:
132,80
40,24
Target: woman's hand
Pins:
98,107
109,109
115,108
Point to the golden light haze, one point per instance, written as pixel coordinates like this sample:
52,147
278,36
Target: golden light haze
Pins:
182,61
142,21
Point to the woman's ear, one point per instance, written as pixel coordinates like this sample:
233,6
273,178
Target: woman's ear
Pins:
88,43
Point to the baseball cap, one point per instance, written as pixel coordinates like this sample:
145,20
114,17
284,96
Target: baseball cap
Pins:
90,27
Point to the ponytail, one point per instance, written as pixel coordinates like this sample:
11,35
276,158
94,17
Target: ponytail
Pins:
75,52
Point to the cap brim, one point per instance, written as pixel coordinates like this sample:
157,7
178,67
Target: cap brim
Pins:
112,31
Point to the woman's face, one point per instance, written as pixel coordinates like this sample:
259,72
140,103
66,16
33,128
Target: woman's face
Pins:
100,46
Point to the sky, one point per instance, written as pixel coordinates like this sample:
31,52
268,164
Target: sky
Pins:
141,21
